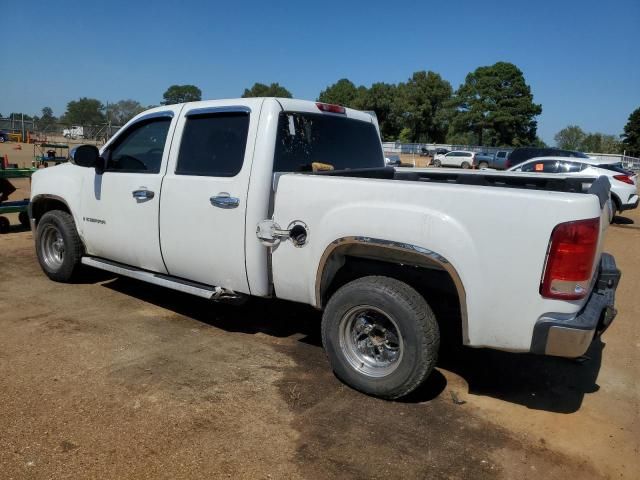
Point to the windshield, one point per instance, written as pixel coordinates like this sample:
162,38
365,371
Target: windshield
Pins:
309,142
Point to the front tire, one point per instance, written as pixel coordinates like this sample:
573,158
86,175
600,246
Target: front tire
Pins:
483,165
58,245
380,336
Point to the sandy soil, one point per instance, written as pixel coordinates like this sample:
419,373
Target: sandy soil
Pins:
112,378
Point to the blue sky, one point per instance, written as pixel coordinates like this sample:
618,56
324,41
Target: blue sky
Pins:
581,58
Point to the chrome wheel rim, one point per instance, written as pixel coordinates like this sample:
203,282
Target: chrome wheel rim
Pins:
52,247
371,341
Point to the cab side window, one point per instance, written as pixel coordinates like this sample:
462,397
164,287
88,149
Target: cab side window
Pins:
140,148
543,166
571,167
213,144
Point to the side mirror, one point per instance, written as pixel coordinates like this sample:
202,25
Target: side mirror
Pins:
89,156
85,156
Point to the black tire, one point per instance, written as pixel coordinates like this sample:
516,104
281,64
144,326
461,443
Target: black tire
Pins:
23,217
465,165
406,310
615,208
5,225
483,165
2,139
64,261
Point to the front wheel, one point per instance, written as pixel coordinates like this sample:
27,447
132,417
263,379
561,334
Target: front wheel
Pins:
437,163
380,336
483,165
58,245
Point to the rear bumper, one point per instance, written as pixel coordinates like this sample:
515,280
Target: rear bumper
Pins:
631,203
565,335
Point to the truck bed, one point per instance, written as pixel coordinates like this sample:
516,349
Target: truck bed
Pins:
529,181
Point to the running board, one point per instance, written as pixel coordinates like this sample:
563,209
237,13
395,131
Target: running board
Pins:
198,289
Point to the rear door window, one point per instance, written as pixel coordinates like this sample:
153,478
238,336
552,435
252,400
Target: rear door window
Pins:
213,144
571,167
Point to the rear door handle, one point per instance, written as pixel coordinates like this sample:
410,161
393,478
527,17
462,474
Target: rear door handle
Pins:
224,200
142,194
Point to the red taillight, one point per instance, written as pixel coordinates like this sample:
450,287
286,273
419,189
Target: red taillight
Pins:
572,250
507,164
328,107
624,178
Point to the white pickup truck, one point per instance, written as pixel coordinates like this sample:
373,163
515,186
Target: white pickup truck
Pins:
291,199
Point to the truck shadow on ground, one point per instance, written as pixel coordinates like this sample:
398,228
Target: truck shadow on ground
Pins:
537,382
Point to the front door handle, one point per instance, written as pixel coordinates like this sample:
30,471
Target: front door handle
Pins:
142,194
224,200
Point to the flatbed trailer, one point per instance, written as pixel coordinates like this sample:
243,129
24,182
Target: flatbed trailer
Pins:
19,206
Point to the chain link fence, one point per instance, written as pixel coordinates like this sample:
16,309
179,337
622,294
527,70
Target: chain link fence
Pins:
30,131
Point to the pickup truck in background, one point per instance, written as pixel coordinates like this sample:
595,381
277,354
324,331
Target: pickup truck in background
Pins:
73,132
291,199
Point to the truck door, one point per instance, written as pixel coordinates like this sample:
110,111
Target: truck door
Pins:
120,207
204,193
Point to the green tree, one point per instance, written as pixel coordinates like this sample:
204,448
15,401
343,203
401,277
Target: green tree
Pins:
381,98
570,138
181,94
405,135
85,111
495,102
262,90
631,135
17,116
422,104
47,120
600,143
121,112
343,92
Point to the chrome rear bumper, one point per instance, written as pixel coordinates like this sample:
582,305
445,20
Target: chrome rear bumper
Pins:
565,335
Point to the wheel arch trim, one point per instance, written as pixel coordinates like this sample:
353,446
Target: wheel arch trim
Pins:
39,198
394,252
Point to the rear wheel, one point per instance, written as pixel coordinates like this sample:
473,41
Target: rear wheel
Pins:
5,225
615,208
465,165
58,245
380,336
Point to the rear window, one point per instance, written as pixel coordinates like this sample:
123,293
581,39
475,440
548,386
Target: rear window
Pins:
309,141
615,167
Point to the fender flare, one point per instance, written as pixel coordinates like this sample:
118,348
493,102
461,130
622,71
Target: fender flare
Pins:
394,252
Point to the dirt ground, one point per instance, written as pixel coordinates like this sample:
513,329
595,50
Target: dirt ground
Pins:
112,378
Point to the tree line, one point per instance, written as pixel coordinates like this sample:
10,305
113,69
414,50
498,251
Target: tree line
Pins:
493,107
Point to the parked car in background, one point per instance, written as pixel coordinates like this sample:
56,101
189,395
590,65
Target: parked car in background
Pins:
76,131
484,159
624,183
457,158
500,160
523,154
4,136
392,160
